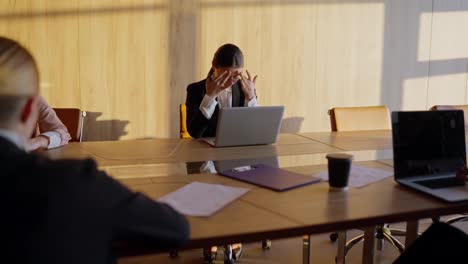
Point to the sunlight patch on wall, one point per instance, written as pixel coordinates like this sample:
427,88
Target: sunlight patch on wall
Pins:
414,94
449,35
446,89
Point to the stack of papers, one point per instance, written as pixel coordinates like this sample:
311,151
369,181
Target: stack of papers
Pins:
361,176
202,199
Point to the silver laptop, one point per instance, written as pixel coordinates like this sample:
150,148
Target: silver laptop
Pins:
428,149
241,126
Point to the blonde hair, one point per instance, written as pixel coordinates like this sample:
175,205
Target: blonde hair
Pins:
19,79
18,70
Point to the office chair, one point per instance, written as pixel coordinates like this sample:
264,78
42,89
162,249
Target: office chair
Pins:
183,122
464,217
360,118
365,118
453,107
73,119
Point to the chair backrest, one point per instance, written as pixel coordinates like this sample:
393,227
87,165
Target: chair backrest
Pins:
360,118
183,122
453,107
73,119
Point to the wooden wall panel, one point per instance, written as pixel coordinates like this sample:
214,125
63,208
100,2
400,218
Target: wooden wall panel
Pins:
124,68
51,36
349,61
184,58
128,62
266,34
55,46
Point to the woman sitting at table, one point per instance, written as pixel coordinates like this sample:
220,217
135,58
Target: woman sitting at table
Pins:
50,132
225,86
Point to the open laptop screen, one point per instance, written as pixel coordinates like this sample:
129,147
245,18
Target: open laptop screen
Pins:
428,142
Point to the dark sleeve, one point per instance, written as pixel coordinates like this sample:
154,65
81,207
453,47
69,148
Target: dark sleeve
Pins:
197,124
440,243
142,220
137,218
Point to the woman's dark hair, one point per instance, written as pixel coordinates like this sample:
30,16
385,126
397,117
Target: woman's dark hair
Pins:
228,55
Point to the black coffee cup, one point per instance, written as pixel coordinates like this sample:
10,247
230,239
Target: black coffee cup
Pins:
339,166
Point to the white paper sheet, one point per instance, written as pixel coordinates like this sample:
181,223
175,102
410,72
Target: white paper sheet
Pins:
361,176
202,199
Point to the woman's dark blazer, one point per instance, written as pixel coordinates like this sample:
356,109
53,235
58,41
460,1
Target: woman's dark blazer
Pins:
197,124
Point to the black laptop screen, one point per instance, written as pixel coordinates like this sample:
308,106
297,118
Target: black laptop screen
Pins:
428,142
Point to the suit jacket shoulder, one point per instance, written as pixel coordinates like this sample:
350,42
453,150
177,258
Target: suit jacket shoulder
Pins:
197,90
197,124
68,211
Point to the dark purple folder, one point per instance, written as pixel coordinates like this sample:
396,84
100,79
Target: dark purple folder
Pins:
269,177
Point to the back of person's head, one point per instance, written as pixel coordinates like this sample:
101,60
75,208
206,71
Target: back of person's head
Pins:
19,80
228,56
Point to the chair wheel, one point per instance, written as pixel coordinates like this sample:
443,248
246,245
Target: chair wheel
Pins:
209,255
208,259
266,244
333,237
237,251
173,253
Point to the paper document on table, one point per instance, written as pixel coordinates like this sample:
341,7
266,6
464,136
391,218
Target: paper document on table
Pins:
202,199
361,176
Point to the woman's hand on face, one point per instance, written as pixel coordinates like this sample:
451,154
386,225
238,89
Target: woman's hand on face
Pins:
248,85
215,85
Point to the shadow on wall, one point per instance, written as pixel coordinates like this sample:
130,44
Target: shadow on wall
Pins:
81,11
291,124
103,130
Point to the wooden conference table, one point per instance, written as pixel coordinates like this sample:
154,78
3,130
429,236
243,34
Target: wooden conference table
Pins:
160,166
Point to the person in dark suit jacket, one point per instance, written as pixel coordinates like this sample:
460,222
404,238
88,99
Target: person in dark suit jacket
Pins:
440,243
64,211
225,86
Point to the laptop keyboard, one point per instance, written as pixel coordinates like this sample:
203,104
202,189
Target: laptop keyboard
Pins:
441,183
